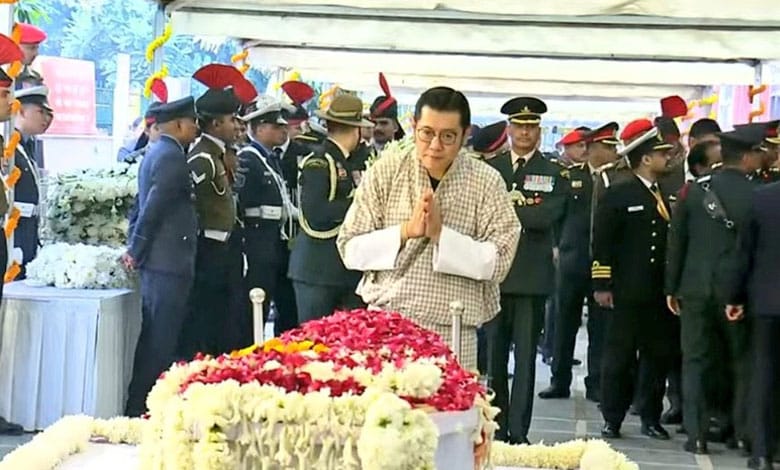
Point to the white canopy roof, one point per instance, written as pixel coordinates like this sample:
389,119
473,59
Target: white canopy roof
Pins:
643,49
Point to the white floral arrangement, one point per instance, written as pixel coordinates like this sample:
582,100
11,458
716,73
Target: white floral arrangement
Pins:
72,434
394,147
90,206
78,267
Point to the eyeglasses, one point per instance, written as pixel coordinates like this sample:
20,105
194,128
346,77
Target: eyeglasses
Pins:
426,134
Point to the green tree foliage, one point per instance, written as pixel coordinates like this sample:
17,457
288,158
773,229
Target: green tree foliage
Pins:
97,30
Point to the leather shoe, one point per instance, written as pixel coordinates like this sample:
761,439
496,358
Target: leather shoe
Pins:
610,431
672,416
655,431
576,362
519,440
554,392
760,463
10,429
696,447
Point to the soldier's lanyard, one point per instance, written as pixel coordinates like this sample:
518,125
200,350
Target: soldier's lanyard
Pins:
281,185
660,206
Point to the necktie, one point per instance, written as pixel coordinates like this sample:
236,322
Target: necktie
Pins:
660,206
276,160
518,164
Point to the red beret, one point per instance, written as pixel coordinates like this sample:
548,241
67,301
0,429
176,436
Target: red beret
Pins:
635,129
673,107
9,50
30,34
573,137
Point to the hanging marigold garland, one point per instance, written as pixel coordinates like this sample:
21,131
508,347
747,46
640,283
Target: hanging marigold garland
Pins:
153,46
241,57
8,152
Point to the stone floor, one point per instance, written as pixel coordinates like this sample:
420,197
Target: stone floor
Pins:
561,420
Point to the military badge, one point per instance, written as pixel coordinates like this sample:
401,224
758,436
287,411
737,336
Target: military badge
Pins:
576,184
539,183
514,194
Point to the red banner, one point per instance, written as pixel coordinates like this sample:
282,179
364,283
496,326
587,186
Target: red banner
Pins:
71,85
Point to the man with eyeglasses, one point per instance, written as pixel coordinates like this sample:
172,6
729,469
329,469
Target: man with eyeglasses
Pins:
431,225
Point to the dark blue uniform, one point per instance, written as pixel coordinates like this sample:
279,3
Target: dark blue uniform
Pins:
754,285
265,202
163,246
27,198
629,246
322,283
574,285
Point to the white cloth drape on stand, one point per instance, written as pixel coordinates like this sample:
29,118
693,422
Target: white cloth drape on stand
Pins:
65,351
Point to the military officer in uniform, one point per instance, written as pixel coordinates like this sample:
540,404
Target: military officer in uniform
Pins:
629,244
327,184
268,209
30,123
753,297
701,251
769,171
216,208
490,140
163,247
9,53
30,40
538,188
574,269
384,115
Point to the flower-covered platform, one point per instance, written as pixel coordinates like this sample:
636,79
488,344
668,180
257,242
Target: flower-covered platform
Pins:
357,390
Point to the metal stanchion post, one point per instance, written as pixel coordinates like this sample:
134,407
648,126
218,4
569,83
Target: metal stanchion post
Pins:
456,312
257,296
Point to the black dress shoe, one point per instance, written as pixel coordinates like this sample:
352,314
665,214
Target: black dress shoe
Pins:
672,416
655,431
554,392
10,429
610,431
519,440
760,463
696,447
576,362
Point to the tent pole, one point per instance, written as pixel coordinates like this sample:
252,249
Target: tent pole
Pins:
159,27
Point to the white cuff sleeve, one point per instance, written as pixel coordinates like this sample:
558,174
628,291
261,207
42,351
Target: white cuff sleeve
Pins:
461,255
373,251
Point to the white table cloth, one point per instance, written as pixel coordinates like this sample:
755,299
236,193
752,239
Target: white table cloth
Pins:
65,351
122,457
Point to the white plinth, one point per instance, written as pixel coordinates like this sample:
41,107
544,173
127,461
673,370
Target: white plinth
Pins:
65,351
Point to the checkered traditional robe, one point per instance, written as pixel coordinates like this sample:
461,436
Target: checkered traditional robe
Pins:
474,203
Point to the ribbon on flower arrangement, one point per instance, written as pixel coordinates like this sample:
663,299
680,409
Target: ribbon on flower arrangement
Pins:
241,57
327,96
153,46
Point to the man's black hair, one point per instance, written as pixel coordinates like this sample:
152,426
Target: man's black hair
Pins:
445,99
698,156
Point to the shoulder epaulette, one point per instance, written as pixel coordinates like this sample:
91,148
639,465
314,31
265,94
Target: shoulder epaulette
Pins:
605,167
703,179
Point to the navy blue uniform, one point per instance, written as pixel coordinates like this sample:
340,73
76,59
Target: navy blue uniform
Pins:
754,284
322,283
27,199
163,246
629,249
265,201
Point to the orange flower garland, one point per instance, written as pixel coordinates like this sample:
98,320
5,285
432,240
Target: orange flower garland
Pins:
241,57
